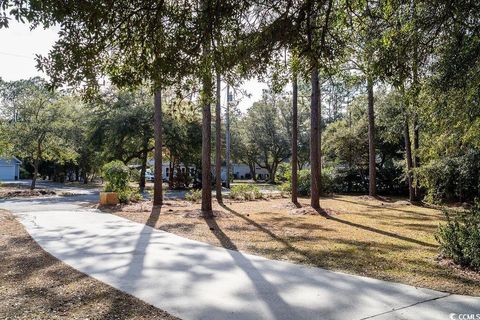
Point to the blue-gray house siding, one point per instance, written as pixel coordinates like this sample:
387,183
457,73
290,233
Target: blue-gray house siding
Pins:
9,168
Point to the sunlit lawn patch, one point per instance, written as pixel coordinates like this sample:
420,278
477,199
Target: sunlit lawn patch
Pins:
385,239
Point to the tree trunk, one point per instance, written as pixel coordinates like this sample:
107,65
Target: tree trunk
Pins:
271,173
416,146
218,144
416,138
372,170
35,173
252,171
227,137
408,156
158,181
206,146
295,140
178,176
143,170
85,177
171,166
314,140
319,141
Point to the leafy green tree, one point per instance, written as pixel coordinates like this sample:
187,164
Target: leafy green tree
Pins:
267,132
244,150
321,45
121,127
366,35
346,146
182,133
43,120
130,43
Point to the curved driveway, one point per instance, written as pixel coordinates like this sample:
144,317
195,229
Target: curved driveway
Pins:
194,280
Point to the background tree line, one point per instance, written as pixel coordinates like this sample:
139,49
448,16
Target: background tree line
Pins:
61,137
408,68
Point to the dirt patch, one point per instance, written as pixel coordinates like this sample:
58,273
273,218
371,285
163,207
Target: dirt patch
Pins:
35,285
16,193
303,211
198,214
391,240
467,272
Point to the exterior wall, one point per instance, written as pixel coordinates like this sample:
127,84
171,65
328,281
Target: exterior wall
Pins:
242,171
166,169
9,169
239,170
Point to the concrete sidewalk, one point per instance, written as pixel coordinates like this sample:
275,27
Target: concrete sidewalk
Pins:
193,280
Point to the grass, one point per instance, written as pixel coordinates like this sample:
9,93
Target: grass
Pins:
261,185
35,285
386,239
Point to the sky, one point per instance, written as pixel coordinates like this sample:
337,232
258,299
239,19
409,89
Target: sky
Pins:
19,44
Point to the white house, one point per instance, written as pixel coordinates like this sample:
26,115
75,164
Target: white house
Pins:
238,170
242,171
10,168
166,168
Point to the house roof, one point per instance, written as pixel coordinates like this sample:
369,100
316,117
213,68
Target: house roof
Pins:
12,158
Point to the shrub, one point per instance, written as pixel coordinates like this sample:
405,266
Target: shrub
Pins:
245,191
451,178
193,195
304,182
284,170
124,196
116,175
135,175
459,238
135,196
129,195
24,174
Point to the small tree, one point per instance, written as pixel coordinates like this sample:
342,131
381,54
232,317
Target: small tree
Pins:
266,132
43,120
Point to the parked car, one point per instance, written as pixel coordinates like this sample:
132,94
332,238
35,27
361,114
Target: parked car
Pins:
149,176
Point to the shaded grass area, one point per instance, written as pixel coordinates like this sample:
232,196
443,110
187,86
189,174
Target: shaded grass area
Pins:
387,239
35,285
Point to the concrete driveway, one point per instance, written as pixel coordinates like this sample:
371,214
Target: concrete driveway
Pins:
194,280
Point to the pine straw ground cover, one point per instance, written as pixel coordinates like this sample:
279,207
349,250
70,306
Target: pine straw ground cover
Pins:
35,285
386,239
